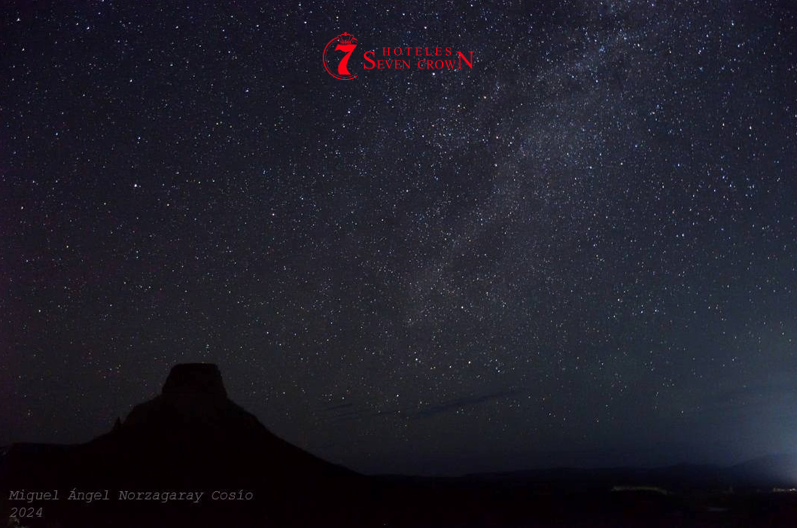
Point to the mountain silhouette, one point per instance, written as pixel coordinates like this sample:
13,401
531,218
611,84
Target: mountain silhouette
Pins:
767,471
192,441
190,437
193,418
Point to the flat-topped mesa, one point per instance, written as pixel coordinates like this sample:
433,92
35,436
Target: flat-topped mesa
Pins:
193,392
195,378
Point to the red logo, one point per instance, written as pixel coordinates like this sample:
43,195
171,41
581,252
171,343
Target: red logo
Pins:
341,62
337,54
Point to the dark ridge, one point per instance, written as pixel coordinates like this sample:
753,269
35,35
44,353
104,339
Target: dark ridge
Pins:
192,438
195,378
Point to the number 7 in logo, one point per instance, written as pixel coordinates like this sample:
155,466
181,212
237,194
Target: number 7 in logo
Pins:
348,49
345,42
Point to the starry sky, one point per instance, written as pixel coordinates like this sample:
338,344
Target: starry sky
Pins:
582,251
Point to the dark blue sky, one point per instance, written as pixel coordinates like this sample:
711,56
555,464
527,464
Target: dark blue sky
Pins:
581,251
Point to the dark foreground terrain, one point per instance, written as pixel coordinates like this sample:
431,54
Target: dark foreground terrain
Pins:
193,439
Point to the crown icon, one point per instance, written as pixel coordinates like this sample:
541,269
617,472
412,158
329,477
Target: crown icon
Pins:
347,38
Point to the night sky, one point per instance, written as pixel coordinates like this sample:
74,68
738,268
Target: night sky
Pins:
582,251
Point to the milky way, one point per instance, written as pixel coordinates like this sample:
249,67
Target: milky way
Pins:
580,251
